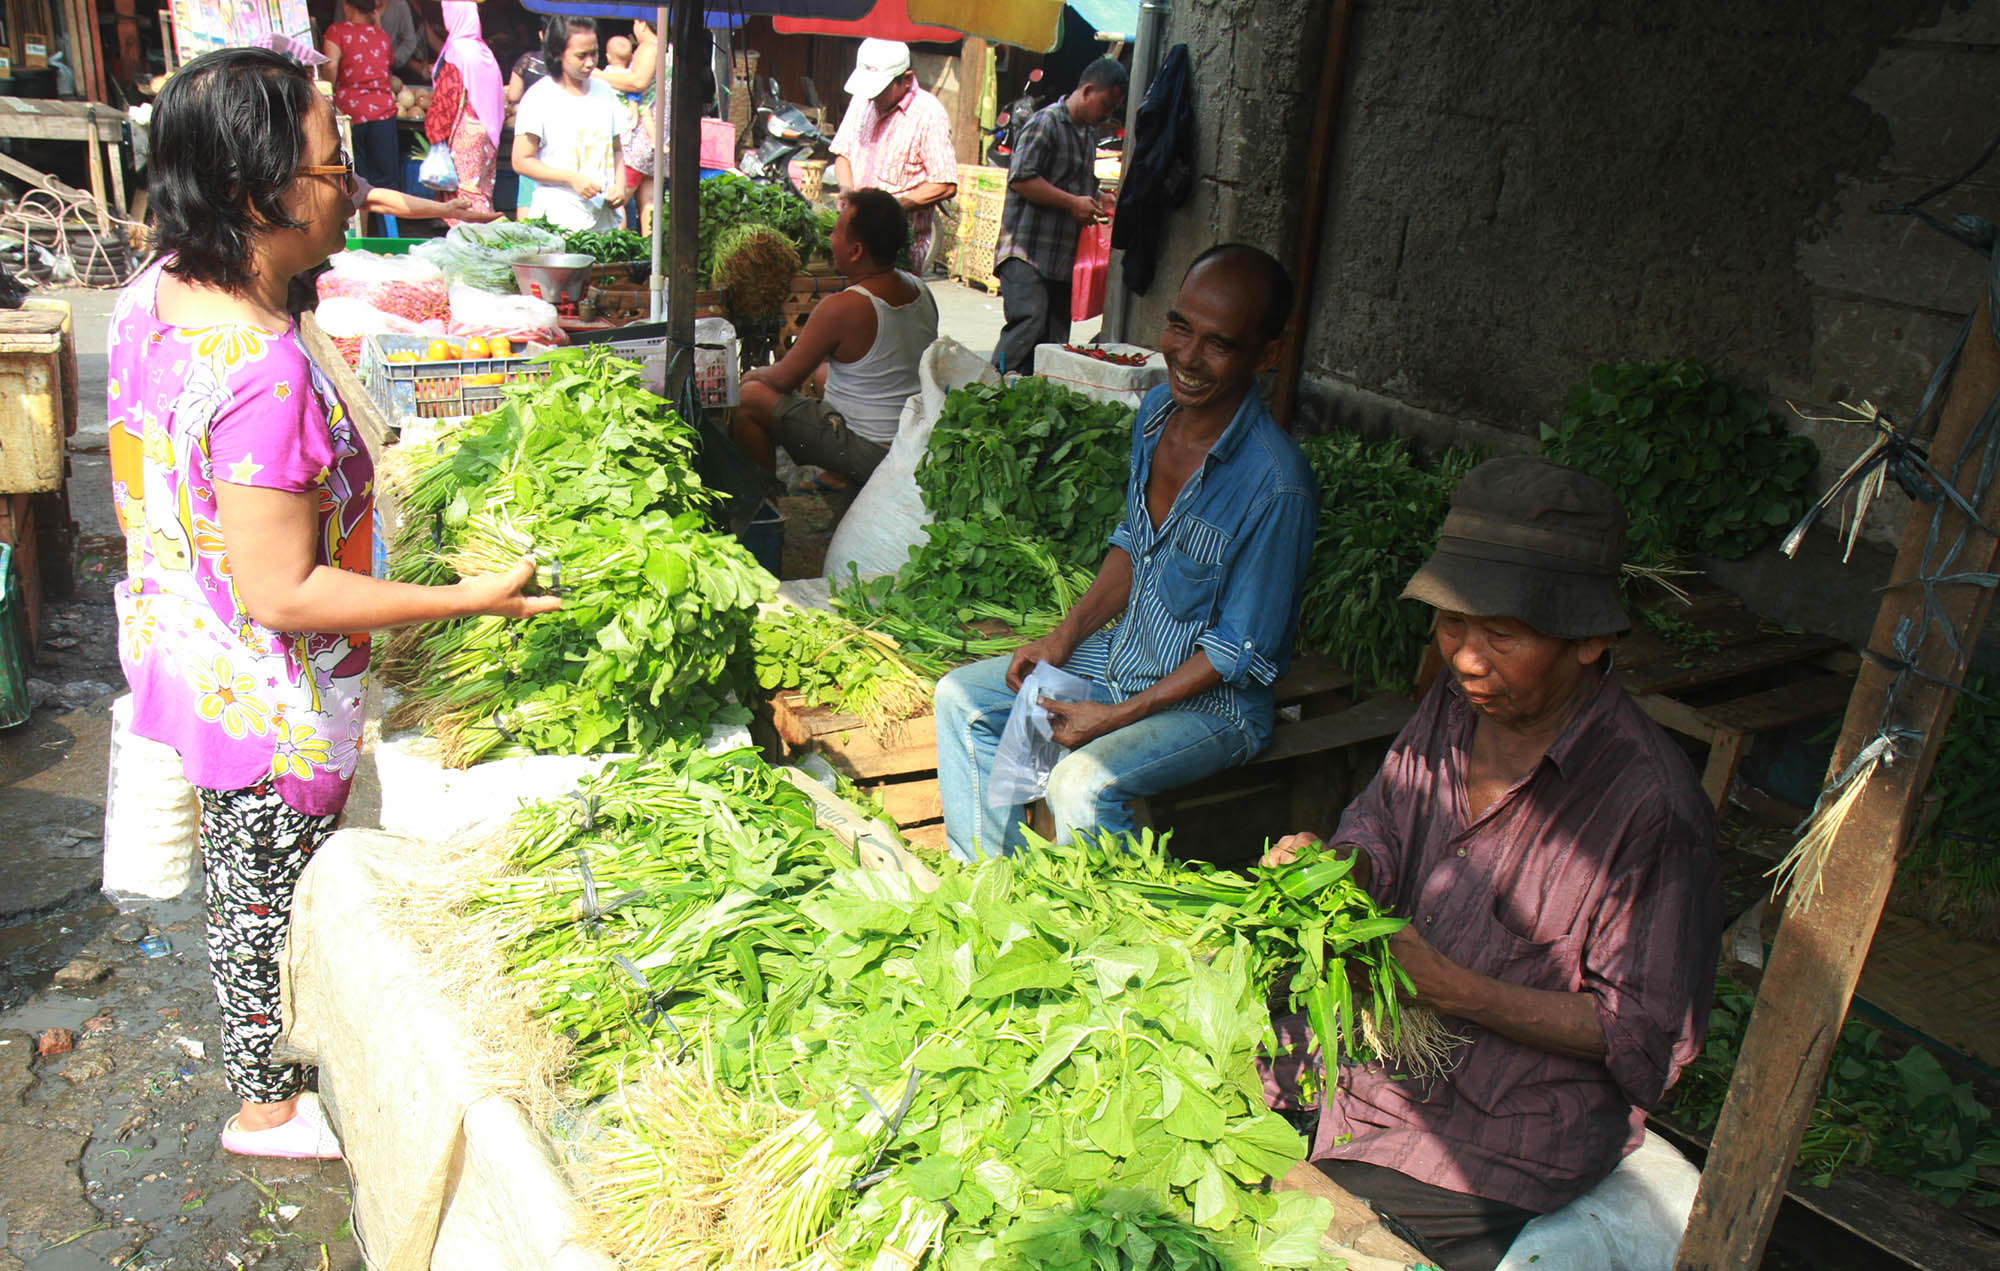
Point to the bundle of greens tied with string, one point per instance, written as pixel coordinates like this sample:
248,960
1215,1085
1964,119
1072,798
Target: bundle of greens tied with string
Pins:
792,1061
593,476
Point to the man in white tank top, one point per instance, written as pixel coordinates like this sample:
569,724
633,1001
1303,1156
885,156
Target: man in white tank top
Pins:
860,347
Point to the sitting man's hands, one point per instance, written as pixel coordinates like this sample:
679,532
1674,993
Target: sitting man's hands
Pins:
1050,648
1074,724
1287,849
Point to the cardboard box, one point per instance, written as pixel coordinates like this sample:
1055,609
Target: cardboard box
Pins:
34,50
6,67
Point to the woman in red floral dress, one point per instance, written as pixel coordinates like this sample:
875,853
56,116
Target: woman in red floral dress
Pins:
468,104
357,62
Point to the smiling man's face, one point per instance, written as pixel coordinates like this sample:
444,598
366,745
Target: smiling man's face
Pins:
1214,343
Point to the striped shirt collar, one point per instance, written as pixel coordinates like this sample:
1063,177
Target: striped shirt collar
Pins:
1240,425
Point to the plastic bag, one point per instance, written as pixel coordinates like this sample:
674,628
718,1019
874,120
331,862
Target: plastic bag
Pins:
1027,752
151,815
483,255
348,321
412,289
477,312
437,171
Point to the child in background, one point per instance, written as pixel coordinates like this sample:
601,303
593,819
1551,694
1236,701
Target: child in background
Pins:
618,52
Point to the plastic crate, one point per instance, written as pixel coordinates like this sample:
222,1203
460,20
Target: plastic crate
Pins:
382,246
14,704
436,390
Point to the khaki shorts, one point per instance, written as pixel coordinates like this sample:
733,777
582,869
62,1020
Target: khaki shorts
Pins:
813,432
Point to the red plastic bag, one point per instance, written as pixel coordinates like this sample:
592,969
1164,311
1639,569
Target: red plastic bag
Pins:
1093,266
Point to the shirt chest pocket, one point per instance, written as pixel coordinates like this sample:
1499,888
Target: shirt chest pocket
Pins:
1191,570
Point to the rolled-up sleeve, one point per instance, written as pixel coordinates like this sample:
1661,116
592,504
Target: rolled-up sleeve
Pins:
1650,956
1258,618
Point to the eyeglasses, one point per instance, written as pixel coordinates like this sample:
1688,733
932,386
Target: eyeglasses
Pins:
343,169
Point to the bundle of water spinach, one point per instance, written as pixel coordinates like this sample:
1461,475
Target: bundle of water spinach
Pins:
1049,1057
593,476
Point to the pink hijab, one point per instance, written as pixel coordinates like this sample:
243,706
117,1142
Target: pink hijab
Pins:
485,90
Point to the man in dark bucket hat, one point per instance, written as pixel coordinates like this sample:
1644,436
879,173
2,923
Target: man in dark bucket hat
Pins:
1555,856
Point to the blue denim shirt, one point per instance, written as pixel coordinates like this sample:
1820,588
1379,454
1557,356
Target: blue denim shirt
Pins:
1222,572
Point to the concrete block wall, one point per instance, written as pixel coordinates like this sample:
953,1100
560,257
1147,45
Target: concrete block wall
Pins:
1520,192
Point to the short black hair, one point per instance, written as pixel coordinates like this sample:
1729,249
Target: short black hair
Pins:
361,6
555,39
1272,278
229,136
880,225
1105,72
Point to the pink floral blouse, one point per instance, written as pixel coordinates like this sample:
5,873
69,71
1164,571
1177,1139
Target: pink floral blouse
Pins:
190,406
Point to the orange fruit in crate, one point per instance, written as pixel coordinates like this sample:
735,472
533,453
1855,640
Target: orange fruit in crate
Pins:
439,351
475,346
500,346
401,357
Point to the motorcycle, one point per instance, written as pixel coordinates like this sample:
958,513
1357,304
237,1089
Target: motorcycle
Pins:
787,134
1008,123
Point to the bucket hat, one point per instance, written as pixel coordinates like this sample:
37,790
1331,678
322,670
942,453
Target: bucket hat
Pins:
1534,541
878,62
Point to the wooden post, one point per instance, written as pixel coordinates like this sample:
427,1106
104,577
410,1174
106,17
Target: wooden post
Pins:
1823,939
97,172
684,182
971,83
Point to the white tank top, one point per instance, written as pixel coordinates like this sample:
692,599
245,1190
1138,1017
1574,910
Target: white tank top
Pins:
869,392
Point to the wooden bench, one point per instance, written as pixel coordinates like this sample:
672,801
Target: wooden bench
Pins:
1757,679
1320,718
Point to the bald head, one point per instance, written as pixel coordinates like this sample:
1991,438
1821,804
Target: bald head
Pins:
1255,273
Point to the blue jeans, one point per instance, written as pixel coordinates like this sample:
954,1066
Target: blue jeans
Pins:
1091,788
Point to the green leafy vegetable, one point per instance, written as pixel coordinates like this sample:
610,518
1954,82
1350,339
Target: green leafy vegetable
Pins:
591,474
1379,517
1699,464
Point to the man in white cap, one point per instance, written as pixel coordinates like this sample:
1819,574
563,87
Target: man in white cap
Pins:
896,137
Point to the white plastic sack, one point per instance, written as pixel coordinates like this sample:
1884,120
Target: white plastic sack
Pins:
1632,1221
888,516
152,819
1027,752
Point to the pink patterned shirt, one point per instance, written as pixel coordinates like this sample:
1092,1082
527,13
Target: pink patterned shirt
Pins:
898,150
190,406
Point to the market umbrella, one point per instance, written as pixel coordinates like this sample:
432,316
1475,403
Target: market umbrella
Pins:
888,20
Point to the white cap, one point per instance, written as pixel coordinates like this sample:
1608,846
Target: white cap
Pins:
879,62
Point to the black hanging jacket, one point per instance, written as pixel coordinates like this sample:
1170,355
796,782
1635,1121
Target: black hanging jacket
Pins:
1159,171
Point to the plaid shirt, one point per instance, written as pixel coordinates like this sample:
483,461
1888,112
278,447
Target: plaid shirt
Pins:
1062,152
898,150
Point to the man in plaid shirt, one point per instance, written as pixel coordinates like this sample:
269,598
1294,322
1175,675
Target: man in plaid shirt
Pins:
896,137
1051,194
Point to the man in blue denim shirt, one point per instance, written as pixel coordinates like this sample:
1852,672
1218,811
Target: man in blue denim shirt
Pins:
1203,580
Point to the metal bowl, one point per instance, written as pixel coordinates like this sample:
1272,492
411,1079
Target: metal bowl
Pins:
557,277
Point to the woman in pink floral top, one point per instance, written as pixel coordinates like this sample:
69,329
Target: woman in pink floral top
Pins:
246,498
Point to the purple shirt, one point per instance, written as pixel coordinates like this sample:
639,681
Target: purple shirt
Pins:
243,704
1595,873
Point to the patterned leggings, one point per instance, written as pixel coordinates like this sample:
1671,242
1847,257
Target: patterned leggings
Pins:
253,846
